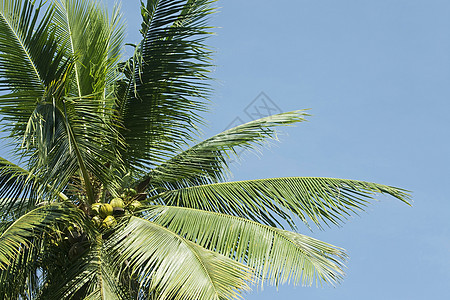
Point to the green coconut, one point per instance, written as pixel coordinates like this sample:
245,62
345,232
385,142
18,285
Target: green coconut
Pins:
128,193
117,202
106,210
135,205
95,208
97,220
109,222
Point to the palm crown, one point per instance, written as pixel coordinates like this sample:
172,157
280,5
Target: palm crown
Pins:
111,197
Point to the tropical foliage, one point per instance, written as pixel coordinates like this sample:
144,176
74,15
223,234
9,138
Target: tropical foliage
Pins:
108,194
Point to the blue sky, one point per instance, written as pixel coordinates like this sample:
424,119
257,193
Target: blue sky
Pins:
375,75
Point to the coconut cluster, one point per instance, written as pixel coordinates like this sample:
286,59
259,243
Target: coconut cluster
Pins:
104,214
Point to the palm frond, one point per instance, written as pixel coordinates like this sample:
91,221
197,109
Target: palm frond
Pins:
321,200
96,45
21,190
90,276
30,60
91,139
73,279
20,279
165,88
206,162
69,135
89,112
17,188
54,152
275,255
174,268
18,235
108,285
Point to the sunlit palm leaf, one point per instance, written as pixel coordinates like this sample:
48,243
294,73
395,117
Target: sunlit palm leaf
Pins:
97,44
166,84
276,255
173,267
21,190
90,115
321,200
30,60
206,162
19,233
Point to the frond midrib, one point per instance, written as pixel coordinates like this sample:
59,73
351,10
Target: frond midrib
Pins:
187,243
274,230
19,219
25,50
254,181
69,28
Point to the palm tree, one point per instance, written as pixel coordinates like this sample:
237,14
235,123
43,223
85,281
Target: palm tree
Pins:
108,195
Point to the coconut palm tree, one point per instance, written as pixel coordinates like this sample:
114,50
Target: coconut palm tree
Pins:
108,194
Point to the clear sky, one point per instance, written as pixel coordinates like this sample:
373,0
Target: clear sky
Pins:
376,76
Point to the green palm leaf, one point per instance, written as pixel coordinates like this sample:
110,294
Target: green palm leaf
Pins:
206,162
173,267
91,140
21,190
321,200
275,255
56,153
166,87
19,234
27,43
17,188
20,278
97,44
90,276
30,60
90,115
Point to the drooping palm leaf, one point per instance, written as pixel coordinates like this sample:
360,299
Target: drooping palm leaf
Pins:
21,190
30,60
90,276
17,187
173,267
19,234
47,141
20,279
321,200
206,162
55,153
274,254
